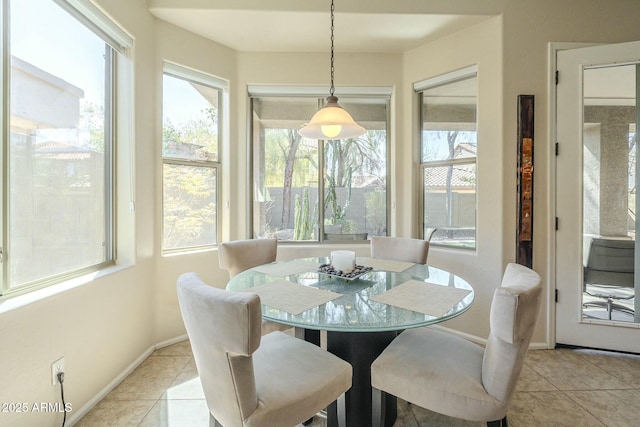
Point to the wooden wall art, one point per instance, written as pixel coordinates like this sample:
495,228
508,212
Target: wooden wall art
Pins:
524,237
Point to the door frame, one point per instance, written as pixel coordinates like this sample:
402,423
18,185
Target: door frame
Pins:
552,132
591,56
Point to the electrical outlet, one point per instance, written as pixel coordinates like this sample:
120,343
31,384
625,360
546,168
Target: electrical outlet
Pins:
56,367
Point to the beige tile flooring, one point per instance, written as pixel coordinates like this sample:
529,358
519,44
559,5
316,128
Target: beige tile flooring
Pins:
563,387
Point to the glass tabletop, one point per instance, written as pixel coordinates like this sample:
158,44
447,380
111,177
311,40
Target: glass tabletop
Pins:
355,310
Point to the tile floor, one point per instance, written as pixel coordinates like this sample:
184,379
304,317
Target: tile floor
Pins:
563,387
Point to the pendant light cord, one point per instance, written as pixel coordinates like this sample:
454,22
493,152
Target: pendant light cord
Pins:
331,122
332,90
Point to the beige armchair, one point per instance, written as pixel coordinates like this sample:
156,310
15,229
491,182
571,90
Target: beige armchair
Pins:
240,255
250,380
447,374
400,249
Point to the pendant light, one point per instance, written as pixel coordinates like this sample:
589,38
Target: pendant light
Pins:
331,121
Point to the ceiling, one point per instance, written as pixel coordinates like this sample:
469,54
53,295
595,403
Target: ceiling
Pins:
304,25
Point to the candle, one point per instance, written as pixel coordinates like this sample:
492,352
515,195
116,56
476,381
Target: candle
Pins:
344,261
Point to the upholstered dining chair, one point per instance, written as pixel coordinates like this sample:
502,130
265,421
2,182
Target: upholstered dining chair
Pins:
400,249
240,255
449,375
250,380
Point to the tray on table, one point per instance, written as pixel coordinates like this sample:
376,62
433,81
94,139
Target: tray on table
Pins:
356,273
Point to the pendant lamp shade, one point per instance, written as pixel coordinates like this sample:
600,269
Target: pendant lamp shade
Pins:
331,121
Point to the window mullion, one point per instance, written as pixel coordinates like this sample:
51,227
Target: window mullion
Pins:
451,162
321,193
109,150
4,150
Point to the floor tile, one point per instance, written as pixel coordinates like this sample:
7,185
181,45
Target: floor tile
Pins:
405,415
557,388
190,367
530,380
615,408
567,370
185,386
150,379
117,413
625,367
133,388
161,367
548,409
183,348
177,413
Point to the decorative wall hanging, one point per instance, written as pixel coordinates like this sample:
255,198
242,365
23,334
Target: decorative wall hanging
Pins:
524,237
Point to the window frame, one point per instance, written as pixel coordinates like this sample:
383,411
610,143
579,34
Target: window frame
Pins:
117,44
344,93
222,87
419,89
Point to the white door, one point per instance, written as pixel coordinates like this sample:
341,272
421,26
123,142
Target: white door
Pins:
596,260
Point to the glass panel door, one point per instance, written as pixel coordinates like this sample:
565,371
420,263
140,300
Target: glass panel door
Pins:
609,192
596,179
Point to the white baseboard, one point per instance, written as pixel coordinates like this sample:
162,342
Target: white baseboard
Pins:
172,341
469,337
539,346
483,341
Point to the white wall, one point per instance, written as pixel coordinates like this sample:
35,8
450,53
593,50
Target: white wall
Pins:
105,326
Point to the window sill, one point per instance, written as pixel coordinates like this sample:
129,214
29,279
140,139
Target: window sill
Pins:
13,302
191,251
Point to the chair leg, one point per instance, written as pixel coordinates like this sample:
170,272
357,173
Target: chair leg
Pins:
342,410
378,406
498,423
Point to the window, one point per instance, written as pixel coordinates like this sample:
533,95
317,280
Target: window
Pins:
58,176
448,157
308,190
191,120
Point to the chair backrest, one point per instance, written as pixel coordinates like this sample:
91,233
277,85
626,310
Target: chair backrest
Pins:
240,255
400,249
428,233
514,311
224,328
610,262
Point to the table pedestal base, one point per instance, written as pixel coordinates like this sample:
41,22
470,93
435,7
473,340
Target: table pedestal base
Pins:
360,349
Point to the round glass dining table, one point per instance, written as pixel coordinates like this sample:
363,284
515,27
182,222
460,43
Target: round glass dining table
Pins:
359,326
